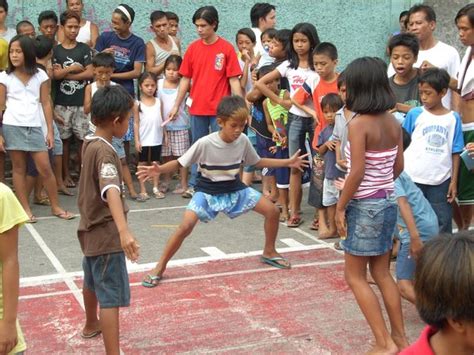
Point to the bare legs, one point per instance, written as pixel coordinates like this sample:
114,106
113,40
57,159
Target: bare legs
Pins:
356,277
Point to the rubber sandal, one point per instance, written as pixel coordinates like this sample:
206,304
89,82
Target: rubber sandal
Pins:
32,219
66,215
151,281
142,197
315,225
158,194
44,201
337,246
294,221
90,335
65,192
275,262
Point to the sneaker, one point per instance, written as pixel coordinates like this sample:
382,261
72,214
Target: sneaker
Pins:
188,193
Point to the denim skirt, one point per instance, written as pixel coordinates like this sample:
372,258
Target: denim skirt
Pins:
370,226
26,139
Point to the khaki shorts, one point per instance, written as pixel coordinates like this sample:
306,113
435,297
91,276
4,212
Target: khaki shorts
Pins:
75,121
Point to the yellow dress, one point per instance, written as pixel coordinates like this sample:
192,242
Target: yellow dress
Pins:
11,214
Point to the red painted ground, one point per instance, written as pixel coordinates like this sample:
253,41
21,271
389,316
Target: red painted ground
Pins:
234,306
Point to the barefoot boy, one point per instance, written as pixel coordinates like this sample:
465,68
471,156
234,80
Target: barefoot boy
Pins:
103,232
219,189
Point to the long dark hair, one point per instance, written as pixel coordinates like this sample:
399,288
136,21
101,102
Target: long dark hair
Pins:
308,30
27,46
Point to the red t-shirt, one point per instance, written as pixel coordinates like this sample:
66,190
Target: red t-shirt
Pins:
209,66
422,345
317,90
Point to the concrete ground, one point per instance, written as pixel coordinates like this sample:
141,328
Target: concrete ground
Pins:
217,297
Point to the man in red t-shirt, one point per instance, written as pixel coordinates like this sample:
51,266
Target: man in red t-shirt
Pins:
211,65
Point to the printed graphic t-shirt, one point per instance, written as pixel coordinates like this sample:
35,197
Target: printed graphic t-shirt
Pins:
209,66
127,51
71,92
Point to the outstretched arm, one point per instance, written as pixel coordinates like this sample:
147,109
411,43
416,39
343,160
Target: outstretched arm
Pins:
145,173
297,161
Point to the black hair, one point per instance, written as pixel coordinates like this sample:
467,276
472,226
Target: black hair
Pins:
157,15
430,14
103,59
270,32
408,40
283,36
172,16
341,80
246,32
68,15
403,14
468,11
143,76
264,70
260,10
4,4
110,102
437,78
332,100
367,86
27,46
208,14
47,15
22,23
124,17
175,59
326,48
444,279
406,139
232,107
308,30
43,46
67,2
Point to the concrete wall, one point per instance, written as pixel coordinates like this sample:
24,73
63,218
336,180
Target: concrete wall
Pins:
357,28
446,30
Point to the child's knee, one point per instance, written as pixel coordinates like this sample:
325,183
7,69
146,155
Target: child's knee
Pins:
185,228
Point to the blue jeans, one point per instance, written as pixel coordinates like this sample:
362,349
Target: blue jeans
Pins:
436,196
298,128
201,126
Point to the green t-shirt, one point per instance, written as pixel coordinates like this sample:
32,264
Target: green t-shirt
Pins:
11,214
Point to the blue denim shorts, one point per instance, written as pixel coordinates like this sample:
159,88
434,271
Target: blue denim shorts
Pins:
129,135
370,226
330,193
26,139
405,263
117,143
58,143
106,275
233,204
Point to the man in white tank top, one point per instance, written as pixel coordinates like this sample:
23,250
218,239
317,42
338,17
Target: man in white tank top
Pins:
160,47
88,32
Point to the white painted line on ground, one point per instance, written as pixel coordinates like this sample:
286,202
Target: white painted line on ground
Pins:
133,267
131,211
201,277
291,242
56,264
319,241
214,252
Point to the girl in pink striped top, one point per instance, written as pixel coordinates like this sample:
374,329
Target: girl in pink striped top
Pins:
366,212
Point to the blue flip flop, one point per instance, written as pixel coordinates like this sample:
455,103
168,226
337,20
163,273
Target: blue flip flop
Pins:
151,281
275,262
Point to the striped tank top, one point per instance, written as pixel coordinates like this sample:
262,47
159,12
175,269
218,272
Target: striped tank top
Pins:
378,177
279,116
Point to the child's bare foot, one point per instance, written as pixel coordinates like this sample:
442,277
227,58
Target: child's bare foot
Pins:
389,349
401,341
69,182
327,234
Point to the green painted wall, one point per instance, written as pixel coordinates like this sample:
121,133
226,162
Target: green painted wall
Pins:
357,28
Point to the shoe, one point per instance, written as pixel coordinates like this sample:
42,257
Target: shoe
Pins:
90,335
294,221
188,193
158,194
142,197
44,201
277,261
65,215
151,281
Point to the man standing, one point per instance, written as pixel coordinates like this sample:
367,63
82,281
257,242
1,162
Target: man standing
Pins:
211,64
422,23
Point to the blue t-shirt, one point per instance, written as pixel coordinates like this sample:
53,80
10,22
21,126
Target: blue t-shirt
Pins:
127,51
330,170
425,217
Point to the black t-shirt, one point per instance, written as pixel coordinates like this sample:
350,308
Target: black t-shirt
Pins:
71,92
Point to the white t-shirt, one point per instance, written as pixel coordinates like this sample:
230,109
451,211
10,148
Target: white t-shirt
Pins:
296,79
442,56
150,130
167,98
434,139
23,101
258,49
